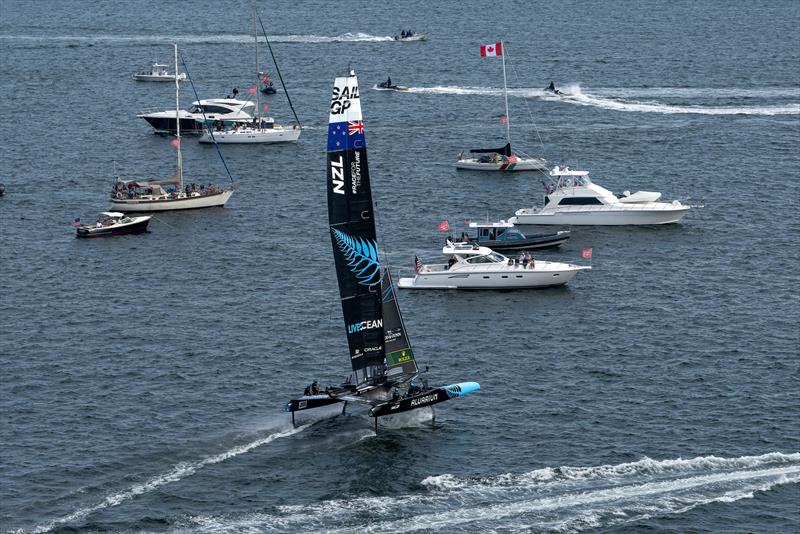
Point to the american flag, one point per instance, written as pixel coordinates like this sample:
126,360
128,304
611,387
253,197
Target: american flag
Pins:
587,253
175,142
76,222
354,127
417,265
503,119
444,226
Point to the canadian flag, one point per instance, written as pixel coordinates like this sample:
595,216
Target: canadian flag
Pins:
492,50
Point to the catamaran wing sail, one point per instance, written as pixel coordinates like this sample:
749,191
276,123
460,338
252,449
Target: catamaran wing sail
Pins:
399,356
505,151
352,226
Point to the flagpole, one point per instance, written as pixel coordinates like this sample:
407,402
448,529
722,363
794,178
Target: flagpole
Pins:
258,80
505,91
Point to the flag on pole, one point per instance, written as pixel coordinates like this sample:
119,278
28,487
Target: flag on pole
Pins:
76,222
587,253
417,265
494,50
175,142
266,107
252,90
444,226
503,119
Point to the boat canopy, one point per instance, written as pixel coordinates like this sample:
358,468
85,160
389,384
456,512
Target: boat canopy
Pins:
505,151
565,171
498,224
465,249
112,214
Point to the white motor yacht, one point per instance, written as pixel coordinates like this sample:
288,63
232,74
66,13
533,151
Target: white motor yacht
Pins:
574,199
471,266
228,110
158,73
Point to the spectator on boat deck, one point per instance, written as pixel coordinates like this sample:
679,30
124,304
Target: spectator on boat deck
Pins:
314,388
524,257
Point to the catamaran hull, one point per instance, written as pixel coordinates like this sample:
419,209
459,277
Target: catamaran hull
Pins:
522,164
143,206
424,399
510,279
603,218
276,135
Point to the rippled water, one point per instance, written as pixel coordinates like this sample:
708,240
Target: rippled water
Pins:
143,377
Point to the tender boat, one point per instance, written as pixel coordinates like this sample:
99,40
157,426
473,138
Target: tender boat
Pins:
267,88
500,159
260,129
503,235
158,73
227,110
574,199
471,266
411,36
169,194
113,223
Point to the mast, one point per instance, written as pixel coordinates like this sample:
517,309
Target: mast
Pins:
258,82
178,118
505,92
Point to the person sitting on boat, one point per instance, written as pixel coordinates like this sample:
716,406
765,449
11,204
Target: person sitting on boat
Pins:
389,81
314,388
403,33
524,259
452,261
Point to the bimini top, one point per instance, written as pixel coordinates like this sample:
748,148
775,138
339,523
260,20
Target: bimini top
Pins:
559,171
499,224
112,214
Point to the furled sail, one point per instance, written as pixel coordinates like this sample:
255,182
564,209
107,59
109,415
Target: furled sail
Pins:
399,356
355,249
505,151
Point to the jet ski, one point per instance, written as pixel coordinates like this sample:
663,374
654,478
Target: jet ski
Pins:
389,86
552,89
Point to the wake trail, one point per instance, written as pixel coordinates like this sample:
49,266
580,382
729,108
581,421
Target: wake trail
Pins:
347,37
561,498
178,472
574,95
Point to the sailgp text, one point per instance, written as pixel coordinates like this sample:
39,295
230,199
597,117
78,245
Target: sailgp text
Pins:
340,101
337,176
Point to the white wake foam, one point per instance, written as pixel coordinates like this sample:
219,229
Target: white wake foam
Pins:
194,39
178,472
611,98
564,498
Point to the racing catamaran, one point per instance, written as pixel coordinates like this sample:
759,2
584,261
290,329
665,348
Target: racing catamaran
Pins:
385,373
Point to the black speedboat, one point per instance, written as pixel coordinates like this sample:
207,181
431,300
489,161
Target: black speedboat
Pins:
504,236
111,223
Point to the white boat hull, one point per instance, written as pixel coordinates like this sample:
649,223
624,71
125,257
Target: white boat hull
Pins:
522,164
158,78
166,203
607,216
546,274
250,136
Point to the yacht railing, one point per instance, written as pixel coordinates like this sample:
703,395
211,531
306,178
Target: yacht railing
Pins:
630,206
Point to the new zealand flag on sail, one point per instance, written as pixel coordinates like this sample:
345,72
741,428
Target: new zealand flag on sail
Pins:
346,135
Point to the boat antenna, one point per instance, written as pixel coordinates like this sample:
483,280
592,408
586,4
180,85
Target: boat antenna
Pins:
278,70
205,119
178,117
505,91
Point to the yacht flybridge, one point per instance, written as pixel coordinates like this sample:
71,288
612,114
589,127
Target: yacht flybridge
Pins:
385,373
574,199
471,266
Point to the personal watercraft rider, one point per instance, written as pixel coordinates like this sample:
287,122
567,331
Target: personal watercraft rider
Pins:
552,89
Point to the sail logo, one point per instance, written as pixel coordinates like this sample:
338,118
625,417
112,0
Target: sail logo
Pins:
361,256
364,325
337,176
340,101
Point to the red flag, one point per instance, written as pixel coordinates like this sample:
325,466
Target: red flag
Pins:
466,222
444,226
266,107
175,142
492,50
503,119
587,253
252,90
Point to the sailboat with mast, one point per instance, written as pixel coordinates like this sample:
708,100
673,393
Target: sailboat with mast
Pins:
503,158
385,373
168,194
262,129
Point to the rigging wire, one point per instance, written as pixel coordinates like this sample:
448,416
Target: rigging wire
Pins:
205,120
525,101
278,70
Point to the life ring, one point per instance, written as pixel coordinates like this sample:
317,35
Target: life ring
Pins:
117,195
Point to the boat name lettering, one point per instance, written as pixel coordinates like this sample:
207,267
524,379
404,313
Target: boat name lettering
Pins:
340,101
364,325
355,172
424,400
337,176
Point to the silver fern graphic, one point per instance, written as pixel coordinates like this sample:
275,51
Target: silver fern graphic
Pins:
361,256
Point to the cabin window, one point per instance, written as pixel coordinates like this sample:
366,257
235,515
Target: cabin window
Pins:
511,234
580,201
479,259
217,109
